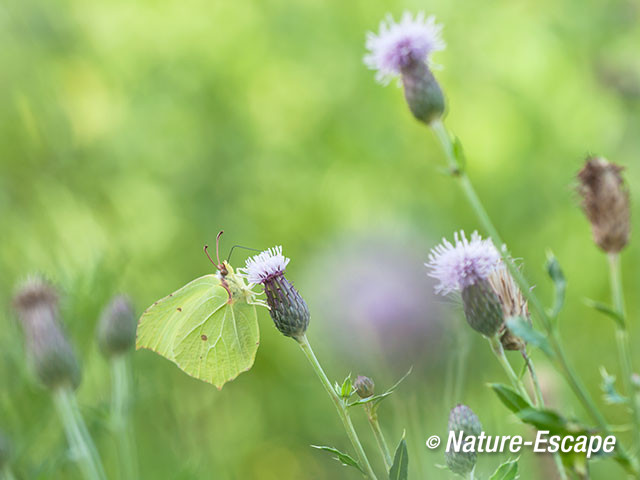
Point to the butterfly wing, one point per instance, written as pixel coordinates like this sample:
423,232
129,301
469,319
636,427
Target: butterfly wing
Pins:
203,333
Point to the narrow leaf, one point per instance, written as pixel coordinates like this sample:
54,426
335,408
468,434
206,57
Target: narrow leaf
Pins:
507,471
510,398
400,468
343,458
520,327
606,309
347,388
608,386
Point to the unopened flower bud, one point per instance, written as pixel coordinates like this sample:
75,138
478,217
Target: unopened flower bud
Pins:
288,309
462,419
117,327
5,451
605,201
49,350
364,386
482,308
403,48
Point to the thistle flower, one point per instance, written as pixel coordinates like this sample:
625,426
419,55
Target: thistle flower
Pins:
52,357
117,327
287,308
462,419
465,267
513,305
364,386
403,49
605,201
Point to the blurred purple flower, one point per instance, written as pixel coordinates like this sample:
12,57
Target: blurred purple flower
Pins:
398,46
462,264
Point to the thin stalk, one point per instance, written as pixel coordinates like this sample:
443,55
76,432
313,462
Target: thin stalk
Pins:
340,407
120,404
372,415
565,367
496,348
622,340
82,447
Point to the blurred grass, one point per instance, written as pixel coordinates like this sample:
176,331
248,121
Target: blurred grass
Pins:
134,131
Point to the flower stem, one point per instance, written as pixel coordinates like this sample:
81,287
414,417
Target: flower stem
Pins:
340,407
554,340
120,404
82,447
496,348
622,340
372,415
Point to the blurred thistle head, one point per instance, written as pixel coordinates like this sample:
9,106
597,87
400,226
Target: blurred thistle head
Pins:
53,359
364,386
605,201
465,266
117,327
404,49
288,309
462,419
513,304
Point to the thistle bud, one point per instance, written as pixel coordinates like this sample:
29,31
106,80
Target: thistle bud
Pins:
404,48
117,327
364,386
288,309
513,305
462,419
49,351
605,202
5,451
482,308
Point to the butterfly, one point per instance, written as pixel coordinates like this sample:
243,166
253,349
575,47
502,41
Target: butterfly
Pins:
208,328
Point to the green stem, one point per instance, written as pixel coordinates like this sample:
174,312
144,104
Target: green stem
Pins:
372,415
120,404
564,366
340,407
622,340
496,348
82,447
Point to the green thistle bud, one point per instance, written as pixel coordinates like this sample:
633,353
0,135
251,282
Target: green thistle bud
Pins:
482,308
364,386
5,451
288,309
462,419
49,351
422,92
117,327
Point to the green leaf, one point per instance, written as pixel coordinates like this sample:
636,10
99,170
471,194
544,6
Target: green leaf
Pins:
507,471
559,282
509,397
520,327
376,399
400,468
608,386
202,331
343,458
606,309
458,153
346,390
555,423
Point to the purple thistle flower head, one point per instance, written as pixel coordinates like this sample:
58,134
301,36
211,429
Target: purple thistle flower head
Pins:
463,263
398,46
266,265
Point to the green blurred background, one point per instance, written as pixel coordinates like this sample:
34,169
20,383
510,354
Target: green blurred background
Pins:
132,132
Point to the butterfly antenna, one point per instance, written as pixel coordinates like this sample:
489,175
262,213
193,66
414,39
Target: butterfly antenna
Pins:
218,245
206,252
240,246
